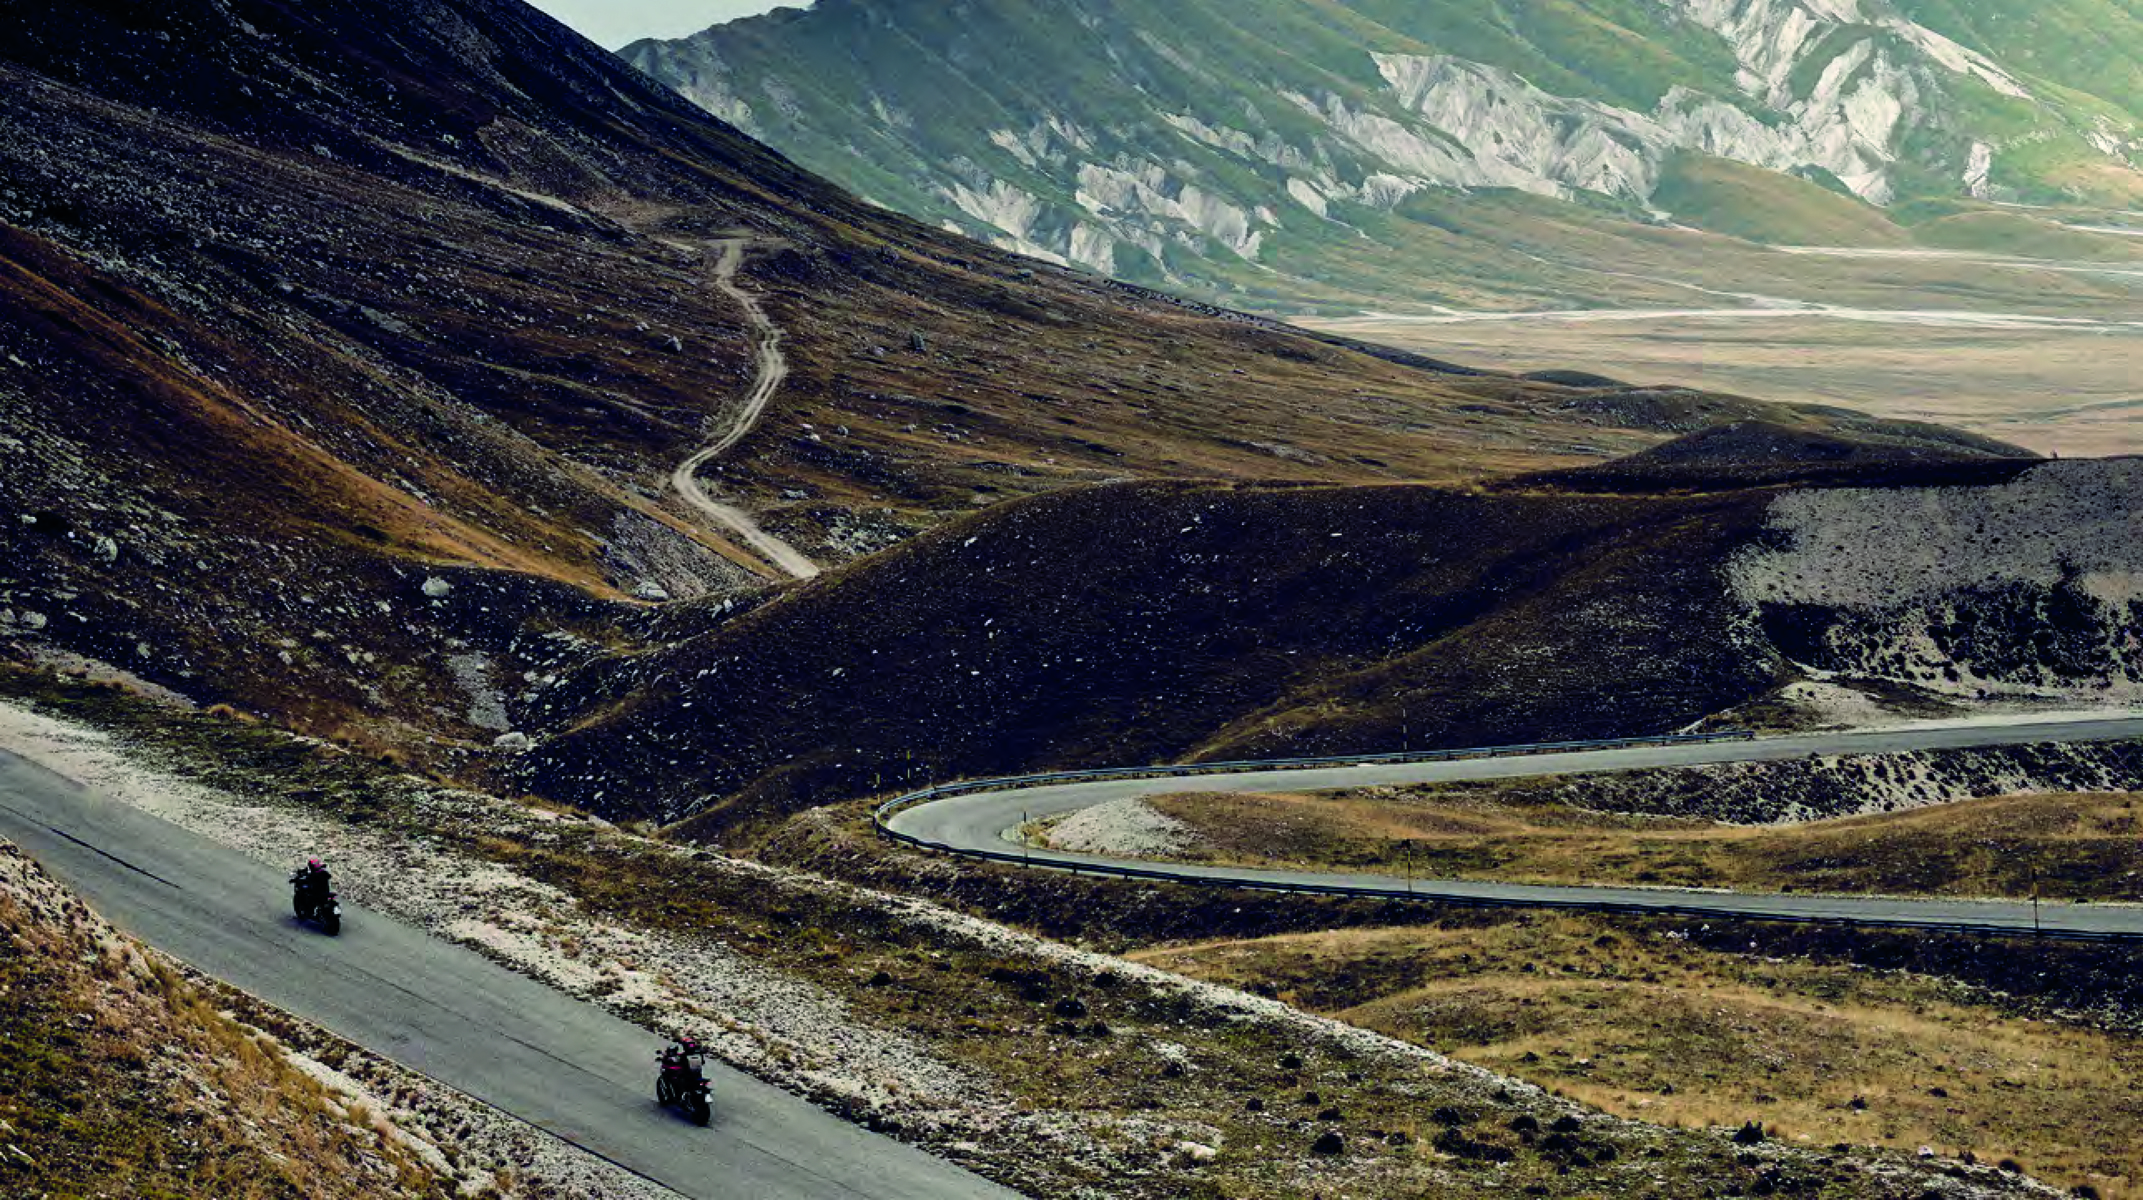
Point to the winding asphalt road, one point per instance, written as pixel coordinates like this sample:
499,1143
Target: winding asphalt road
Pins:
567,1067
988,822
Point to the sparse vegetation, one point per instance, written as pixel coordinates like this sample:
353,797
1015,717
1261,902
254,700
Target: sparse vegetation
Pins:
1164,621
1649,1022
2064,847
398,371
118,1077
347,354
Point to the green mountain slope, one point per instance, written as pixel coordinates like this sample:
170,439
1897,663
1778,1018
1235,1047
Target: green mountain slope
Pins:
1232,148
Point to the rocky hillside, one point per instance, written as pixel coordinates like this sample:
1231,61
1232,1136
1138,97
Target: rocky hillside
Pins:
1164,622
1245,150
2033,586
347,349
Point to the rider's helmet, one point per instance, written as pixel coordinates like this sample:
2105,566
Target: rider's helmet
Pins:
314,864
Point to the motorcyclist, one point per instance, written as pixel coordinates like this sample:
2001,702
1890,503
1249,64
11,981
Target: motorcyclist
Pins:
682,1082
312,881
684,1055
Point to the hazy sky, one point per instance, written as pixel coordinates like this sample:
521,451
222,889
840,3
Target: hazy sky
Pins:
613,23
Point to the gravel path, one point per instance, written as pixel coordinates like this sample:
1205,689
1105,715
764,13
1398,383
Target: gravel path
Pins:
772,371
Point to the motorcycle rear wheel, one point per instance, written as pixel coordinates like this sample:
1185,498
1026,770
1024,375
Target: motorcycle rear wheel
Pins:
696,1107
330,924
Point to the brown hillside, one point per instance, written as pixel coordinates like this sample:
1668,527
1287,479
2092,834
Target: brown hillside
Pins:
304,305
1155,622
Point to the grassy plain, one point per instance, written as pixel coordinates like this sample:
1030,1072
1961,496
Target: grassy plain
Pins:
2070,391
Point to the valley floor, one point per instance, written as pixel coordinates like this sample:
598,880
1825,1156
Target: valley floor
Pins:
2069,390
2064,847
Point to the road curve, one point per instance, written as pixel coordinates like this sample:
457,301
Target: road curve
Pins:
986,822
770,370
535,1053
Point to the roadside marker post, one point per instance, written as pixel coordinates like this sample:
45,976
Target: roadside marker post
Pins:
2033,866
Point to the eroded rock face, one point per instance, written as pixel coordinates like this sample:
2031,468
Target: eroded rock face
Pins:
2034,587
1169,143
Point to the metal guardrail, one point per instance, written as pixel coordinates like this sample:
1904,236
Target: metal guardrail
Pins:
1424,890
1237,767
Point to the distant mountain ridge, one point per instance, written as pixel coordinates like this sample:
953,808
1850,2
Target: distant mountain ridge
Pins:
1205,144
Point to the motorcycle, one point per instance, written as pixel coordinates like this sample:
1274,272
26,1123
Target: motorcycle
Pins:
682,1084
318,906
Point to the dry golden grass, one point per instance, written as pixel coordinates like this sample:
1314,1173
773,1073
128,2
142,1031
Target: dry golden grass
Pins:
2061,391
2069,847
1652,1027
118,1077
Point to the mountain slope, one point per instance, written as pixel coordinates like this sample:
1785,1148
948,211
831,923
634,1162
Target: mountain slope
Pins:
1166,622
1208,145
346,350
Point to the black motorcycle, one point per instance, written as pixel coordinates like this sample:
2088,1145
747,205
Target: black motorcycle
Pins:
682,1084
315,903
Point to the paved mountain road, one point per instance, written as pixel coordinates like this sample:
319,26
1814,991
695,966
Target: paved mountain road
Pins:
988,821
565,1066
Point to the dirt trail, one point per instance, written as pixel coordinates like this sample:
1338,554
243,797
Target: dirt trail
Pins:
771,369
